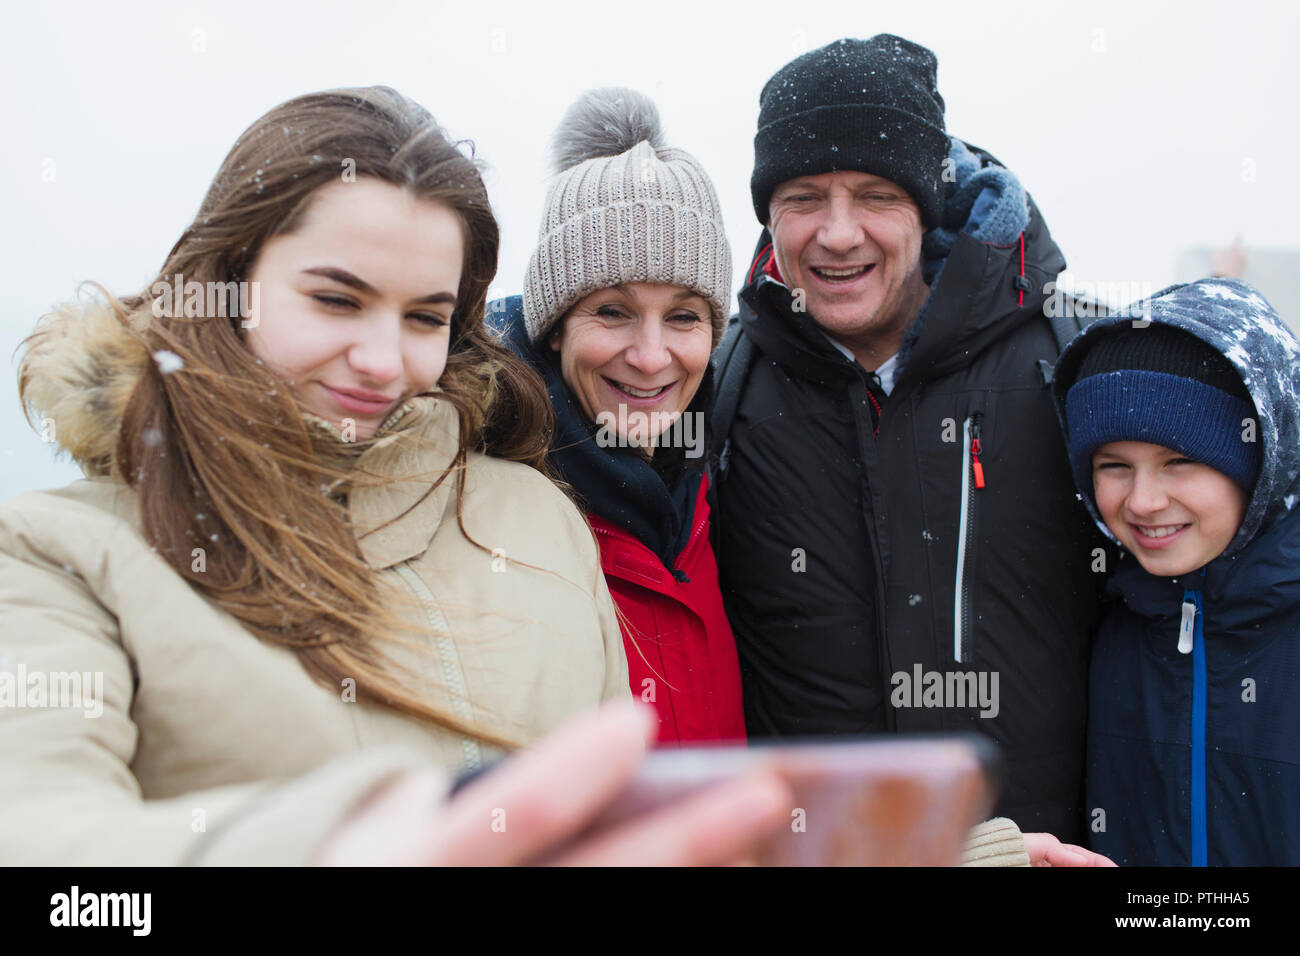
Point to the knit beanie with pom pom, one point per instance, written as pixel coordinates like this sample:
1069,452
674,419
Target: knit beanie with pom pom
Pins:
623,208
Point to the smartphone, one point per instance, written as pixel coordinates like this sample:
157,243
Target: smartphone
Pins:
873,801
889,800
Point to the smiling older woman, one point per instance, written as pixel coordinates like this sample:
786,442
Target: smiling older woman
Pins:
625,297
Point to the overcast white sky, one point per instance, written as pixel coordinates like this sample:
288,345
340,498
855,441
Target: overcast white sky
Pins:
1139,128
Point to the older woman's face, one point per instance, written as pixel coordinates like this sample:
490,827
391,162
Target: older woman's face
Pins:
356,303
635,352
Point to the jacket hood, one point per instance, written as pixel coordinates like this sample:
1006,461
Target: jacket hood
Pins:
1235,320
987,215
82,365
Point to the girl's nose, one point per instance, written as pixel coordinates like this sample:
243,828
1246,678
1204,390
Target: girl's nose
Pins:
376,356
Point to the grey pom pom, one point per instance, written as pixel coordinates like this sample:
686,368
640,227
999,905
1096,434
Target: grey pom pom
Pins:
604,122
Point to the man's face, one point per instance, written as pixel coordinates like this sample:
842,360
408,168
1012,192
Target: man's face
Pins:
852,242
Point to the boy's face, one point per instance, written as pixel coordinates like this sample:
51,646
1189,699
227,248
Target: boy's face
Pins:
1174,514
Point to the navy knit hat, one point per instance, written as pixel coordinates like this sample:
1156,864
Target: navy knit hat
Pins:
872,106
1161,385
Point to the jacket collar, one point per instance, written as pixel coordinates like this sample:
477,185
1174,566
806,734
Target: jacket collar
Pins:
402,484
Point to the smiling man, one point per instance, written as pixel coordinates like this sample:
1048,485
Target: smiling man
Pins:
892,490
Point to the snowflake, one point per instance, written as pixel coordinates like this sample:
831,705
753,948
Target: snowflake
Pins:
168,361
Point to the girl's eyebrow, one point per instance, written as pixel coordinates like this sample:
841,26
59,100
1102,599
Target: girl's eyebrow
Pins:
342,276
361,285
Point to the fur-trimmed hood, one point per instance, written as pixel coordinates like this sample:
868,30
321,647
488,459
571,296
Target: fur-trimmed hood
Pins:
79,369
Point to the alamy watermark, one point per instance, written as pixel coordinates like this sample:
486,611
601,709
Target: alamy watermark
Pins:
130,910
1071,297
632,428
195,300
957,689
67,690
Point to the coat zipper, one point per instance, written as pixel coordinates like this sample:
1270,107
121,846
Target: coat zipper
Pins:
451,667
1194,621
690,544
972,479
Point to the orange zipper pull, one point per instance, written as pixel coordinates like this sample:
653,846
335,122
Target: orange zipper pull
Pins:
975,461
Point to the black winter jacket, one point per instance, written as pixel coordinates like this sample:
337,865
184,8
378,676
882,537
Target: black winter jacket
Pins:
860,564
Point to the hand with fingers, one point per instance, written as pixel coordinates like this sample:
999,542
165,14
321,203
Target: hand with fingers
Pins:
1046,850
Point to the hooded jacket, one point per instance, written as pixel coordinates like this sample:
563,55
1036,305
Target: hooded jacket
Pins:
187,739
652,525
1194,758
863,563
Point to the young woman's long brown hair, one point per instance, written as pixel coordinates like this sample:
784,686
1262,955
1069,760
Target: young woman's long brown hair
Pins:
220,447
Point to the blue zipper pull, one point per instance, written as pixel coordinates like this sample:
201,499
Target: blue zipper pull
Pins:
1188,627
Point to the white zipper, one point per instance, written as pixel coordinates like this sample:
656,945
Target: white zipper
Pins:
962,531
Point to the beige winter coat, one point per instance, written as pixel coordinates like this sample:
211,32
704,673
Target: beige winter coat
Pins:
195,742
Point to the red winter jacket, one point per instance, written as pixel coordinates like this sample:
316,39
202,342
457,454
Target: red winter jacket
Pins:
692,675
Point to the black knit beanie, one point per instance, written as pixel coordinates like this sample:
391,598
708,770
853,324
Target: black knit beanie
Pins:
1161,385
872,106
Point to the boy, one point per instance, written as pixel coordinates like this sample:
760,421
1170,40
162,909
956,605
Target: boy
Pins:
1182,419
